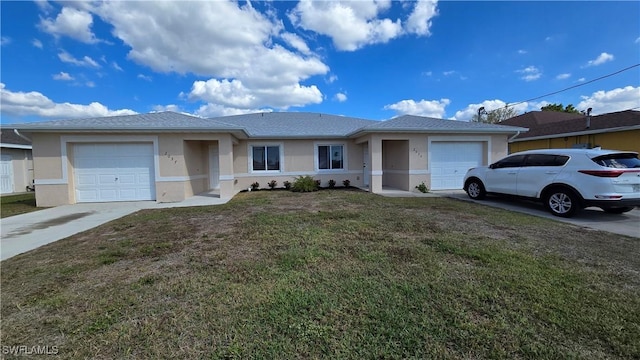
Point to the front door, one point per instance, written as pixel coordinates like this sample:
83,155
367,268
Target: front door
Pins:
366,172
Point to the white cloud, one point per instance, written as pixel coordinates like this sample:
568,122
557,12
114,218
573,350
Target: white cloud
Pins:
296,42
467,113
530,73
235,94
601,59
36,43
419,21
70,22
63,76
44,5
581,80
427,73
340,97
353,24
5,40
116,66
214,110
618,99
85,61
563,76
522,52
144,77
447,73
637,40
227,42
90,84
430,108
36,104
332,78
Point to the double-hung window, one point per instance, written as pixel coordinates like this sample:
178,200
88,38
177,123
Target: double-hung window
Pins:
330,157
265,158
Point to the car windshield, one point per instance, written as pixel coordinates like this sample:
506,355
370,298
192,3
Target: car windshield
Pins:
618,161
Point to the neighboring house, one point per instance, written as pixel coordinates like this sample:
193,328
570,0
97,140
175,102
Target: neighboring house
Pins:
550,129
16,166
168,156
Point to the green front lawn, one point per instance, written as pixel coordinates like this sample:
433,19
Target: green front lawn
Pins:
331,274
17,204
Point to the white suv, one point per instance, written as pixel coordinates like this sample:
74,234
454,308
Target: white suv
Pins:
566,180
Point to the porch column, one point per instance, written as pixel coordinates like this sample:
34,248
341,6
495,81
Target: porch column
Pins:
375,159
225,147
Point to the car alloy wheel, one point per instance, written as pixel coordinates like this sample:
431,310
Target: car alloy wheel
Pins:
475,190
562,203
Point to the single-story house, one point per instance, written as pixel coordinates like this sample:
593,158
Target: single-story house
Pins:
167,156
551,129
16,166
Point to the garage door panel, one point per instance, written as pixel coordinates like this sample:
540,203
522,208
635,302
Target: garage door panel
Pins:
114,172
450,162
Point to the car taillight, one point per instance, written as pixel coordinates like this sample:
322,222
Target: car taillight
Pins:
603,173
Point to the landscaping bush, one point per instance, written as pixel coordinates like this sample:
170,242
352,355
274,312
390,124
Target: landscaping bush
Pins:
304,184
422,188
255,186
346,183
318,183
287,185
273,184
332,184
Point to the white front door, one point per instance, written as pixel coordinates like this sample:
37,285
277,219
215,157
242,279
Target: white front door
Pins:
214,167
366,171
6,174
105,172
450,161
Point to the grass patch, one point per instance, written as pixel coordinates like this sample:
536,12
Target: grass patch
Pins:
11,205
330,274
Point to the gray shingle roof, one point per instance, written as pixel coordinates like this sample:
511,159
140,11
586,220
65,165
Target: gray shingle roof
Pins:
296,124
427,124
266,125
159,121
7,136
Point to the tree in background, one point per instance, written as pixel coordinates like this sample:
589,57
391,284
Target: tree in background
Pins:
494,116
558,107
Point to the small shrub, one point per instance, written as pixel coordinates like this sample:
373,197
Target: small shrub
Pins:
255,186
332,184
304,184
317,183
287,185
422,188
346,183
273,184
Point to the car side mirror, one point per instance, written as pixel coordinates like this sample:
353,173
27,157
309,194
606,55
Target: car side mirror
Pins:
492,166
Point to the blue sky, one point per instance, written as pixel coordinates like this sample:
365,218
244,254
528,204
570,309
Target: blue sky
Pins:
368,59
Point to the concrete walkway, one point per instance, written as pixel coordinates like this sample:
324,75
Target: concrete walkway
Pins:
25,232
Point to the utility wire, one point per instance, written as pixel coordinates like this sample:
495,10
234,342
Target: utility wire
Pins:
573,87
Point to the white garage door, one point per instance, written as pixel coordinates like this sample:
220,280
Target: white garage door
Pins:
6,174
114,172
450,162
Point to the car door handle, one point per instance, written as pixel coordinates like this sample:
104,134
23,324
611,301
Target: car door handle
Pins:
512,172
551,172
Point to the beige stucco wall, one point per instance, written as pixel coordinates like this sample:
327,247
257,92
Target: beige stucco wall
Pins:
299,159
22,167
397,160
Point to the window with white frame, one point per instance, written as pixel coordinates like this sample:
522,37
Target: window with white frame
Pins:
330,157
265,158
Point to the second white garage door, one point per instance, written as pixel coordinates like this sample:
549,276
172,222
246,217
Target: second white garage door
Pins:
114,172
450,161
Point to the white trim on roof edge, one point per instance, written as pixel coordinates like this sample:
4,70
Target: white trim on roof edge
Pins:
15,146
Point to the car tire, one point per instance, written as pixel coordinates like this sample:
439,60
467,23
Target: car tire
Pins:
562,202
475,189
618,210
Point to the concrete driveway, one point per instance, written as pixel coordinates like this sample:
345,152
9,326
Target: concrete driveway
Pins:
25,232
592,218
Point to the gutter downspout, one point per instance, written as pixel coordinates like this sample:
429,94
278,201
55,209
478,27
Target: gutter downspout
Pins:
22,136
514,136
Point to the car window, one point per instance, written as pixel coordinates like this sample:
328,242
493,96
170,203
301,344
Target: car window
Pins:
508,162
619,161
546,160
